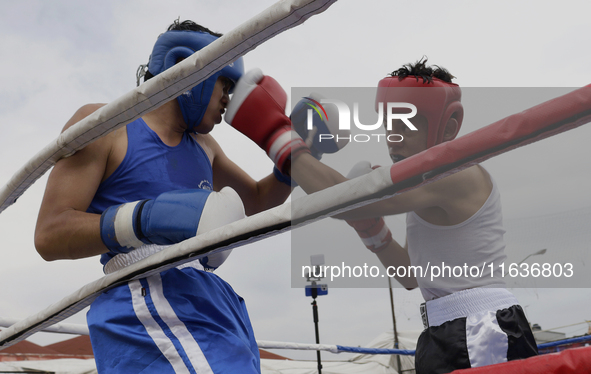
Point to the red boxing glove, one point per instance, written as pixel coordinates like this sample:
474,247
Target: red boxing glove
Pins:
257,110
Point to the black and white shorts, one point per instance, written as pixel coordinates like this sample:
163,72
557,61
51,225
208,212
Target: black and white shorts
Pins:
472,328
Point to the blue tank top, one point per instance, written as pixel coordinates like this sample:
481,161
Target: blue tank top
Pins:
151,168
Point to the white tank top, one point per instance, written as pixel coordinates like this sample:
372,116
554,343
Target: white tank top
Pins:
463,252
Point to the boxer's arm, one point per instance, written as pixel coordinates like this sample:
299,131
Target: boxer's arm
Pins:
395,255
313,176
64,230
256,195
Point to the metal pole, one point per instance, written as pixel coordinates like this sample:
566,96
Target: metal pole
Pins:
315,314
394,323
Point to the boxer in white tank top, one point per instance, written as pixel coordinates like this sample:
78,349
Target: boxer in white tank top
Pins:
455,221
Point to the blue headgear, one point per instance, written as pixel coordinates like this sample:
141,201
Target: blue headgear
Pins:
176,44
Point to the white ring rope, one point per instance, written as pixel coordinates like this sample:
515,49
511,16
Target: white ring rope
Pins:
78,329
59,328
164,87
266,344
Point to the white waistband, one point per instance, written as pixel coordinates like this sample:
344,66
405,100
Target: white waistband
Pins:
125,259
466,302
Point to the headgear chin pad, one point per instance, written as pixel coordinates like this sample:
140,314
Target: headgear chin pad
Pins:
437,101
176,44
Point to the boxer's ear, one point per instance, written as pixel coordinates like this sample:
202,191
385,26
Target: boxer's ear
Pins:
451,129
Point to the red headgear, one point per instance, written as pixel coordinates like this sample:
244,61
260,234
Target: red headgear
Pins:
438,103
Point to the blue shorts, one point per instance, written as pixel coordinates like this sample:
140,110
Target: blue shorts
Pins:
178,321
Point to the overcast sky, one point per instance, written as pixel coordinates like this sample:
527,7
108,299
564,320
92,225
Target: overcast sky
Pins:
57,56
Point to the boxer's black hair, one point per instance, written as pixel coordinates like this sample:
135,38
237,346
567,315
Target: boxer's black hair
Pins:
420,70
188,25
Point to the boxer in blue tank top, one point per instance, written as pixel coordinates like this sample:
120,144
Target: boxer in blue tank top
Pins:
151,168
155,182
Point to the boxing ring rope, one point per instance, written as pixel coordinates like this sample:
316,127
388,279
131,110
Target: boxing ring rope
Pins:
79,329
579,339
552,117
58,328
386,351
167,85
333,348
